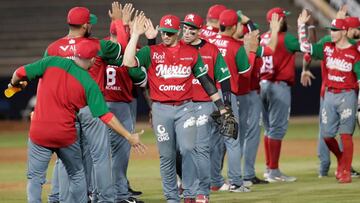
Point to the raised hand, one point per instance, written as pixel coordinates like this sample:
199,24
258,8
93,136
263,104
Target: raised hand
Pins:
127,11
341,14
138,27
275,23
151,32
303,17
251,41
116,11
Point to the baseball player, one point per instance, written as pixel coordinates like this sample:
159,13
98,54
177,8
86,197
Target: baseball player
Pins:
79,20
217,71
58,76
236,57
277,77
170,66
341,60
212,21
323,151
118,95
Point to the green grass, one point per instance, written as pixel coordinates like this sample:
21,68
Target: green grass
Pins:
144,175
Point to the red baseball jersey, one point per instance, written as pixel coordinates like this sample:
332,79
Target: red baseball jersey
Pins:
237,61
65,47
216,69
170,70
255,74
280,66
119,86
208,32
342,65
64,89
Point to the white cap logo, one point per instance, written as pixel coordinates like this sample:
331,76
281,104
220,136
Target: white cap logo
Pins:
168,22
191,17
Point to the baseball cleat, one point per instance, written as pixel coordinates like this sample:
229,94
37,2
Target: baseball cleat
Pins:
202,199
224,187
134,193
189,200
266,173
131,200
236,188
345,177
354,173
254,181
277,176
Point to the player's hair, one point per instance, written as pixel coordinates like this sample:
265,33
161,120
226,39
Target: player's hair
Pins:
284,26
74,27
222,28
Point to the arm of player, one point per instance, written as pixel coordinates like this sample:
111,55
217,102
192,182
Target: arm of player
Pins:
222,75
275,25
116,15
134,139
130,51
208,84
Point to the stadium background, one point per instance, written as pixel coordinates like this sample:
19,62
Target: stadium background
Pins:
27,27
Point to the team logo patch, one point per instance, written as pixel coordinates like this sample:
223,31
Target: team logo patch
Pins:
168,22
202,120
190,122
161,134
159,57
191,17
346,113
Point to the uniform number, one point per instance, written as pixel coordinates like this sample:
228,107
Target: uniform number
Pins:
110,76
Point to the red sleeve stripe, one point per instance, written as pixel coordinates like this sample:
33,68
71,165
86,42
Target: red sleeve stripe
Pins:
106,117
20,72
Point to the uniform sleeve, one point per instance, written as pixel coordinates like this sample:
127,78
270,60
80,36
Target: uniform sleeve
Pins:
138,75
326,38
199,68
357,70
242,61
143,57
221,71
95,100
109,50
37,69
292,43
317,51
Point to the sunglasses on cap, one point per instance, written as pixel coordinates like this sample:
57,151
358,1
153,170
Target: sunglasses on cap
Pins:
169,34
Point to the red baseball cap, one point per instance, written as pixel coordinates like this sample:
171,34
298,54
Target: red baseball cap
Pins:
80,16
281,12
353,22
193,20
228,18
87,49
338,24
215,11
170,23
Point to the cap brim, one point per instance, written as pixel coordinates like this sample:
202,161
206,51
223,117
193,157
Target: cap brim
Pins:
332,28
93,19
168,30
190,24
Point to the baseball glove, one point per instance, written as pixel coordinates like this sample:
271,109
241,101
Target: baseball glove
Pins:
227,123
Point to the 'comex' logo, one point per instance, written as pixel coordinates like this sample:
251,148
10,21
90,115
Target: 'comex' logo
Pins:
162,135
168,22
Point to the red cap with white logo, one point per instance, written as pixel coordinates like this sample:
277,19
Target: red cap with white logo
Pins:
338,24
228,18
215,11
87,49
169,23
193,20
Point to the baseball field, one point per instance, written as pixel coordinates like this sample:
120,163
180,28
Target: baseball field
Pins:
298,158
